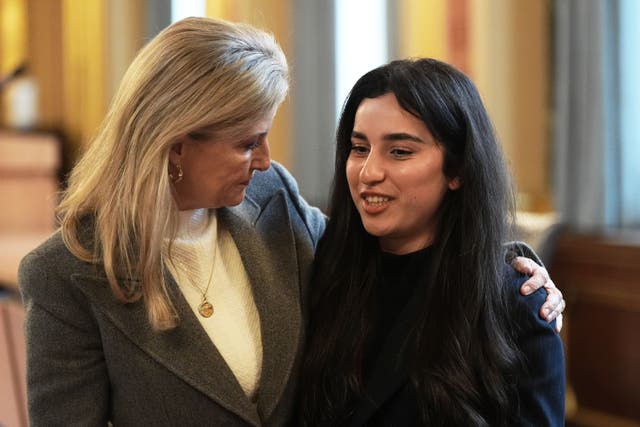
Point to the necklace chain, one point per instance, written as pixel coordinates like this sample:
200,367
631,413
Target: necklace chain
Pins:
205,308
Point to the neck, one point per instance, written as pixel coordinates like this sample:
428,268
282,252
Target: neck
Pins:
403,246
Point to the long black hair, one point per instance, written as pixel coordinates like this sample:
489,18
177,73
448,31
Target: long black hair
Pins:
461,345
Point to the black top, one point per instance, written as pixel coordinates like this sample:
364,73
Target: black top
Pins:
395,288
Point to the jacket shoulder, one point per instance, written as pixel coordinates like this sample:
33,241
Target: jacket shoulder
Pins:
44,274
278,180
523,306
46,256
266,184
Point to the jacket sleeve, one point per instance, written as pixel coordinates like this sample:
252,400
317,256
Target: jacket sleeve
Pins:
541,385
67,379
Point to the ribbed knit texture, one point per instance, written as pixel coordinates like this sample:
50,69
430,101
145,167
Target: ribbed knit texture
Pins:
234,326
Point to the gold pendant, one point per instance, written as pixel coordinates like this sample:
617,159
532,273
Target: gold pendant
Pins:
205,309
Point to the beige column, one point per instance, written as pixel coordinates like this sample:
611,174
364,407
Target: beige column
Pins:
45,60
13,42
85,76
13,34
510,61
422,27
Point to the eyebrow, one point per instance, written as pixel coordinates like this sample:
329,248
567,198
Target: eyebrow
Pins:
210,133
397,136
200,134
255,135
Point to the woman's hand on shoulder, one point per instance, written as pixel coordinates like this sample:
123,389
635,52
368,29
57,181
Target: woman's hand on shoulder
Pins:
555,304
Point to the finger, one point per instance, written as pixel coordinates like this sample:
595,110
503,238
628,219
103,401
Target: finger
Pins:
555,299
523,265
550,286
553,314
532,284
551,308
538,269
553,305
539,277
559,323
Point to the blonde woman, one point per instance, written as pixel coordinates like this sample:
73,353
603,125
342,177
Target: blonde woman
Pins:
171,295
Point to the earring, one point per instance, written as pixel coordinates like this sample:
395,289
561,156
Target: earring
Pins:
179,174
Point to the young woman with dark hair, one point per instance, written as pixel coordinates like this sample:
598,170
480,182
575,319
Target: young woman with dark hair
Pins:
415,316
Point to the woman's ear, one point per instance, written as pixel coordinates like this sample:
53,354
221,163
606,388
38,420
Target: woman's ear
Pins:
454,183
175,153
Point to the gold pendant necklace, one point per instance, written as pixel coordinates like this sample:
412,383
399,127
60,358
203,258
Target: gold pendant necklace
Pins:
206,308
183,256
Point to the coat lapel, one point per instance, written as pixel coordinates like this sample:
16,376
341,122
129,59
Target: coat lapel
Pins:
268,254
186,351
266,244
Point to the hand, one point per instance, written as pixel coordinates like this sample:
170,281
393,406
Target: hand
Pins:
555,304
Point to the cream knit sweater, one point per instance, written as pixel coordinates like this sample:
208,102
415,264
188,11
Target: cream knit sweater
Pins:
234,327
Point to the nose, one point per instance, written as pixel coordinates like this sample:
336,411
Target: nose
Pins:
261,157
372,170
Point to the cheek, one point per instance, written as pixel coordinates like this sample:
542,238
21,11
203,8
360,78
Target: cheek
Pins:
427,191
430,200
352,171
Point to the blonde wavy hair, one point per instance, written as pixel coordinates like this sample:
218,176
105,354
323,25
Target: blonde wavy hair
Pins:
198,72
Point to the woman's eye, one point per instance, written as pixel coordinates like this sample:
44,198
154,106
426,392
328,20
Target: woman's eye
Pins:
252,144
359,149
401,152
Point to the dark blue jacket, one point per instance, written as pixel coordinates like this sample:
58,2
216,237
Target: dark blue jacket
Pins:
391,400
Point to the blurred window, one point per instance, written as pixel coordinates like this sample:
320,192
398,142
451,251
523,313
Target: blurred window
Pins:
597,113
360,42
181,9
630,111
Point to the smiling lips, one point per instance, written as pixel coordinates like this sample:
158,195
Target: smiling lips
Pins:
373,204
376,200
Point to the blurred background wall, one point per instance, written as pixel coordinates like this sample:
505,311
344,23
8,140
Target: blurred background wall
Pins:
76,52
558,78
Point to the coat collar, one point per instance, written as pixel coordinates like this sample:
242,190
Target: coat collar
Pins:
268,255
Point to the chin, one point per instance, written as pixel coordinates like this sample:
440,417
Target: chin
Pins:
236,200
376,231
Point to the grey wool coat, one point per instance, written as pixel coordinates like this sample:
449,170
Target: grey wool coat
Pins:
93,360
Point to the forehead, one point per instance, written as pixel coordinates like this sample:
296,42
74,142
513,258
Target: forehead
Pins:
252,126
385,113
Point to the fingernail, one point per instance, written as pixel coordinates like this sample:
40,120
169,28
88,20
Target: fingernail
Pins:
527,289
546,311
